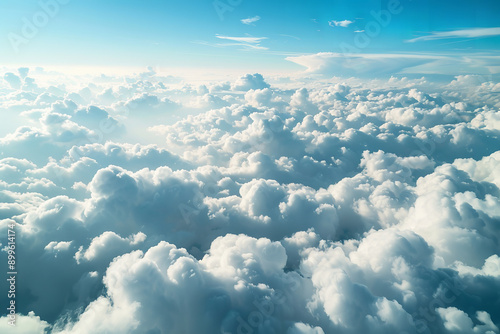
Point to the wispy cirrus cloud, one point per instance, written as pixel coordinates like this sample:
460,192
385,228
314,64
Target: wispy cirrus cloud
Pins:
463,33
247,42
250,20
344,23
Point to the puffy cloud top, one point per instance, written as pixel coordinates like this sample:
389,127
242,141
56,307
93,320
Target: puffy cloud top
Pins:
250,81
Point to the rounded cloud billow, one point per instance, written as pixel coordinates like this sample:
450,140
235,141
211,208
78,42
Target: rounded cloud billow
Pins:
257,205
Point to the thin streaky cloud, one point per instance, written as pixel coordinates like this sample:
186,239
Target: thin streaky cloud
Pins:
463,33
223,45
246,46
248,43
246,40
250,20
291,36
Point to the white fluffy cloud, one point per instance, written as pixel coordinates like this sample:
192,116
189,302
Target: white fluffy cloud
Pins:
250,81
343,23
149,205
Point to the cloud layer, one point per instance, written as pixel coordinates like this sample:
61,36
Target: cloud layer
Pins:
339,206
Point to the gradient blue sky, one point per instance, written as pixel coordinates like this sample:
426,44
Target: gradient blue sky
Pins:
183,33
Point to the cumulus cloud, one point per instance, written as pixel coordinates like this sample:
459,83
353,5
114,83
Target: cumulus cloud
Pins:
25,324
250,81
108,242
457,321
315,206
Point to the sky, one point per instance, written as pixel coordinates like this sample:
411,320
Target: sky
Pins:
215,35
249,167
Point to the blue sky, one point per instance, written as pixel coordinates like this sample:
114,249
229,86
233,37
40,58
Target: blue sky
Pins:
197,34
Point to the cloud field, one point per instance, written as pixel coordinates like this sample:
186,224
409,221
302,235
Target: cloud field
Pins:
148,204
